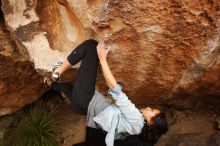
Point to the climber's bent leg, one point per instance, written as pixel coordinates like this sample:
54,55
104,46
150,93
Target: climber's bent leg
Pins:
84,86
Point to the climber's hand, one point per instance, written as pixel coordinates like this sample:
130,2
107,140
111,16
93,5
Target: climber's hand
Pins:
102,51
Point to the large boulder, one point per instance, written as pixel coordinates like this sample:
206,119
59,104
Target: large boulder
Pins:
162,51
19,81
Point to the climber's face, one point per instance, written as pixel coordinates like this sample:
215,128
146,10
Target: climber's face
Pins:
149,113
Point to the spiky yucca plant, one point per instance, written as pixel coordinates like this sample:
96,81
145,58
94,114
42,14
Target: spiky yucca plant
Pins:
36,127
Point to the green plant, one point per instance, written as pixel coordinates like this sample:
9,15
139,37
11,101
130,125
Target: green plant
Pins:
37,126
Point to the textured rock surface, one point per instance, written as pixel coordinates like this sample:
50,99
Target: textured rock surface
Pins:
162,51
191,128
163,48
19,82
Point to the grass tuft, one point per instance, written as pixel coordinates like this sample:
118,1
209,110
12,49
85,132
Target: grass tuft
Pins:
37,126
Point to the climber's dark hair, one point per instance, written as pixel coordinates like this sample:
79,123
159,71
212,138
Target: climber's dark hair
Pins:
151,133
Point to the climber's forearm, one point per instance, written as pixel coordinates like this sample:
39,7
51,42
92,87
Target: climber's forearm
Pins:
109,78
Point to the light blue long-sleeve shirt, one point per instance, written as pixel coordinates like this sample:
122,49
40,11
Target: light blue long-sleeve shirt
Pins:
121,117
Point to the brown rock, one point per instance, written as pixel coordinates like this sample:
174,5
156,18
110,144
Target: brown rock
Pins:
165,51
192,128
19,82
162,51
20,85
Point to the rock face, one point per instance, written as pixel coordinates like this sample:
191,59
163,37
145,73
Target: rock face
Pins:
19,82
191,128
162,51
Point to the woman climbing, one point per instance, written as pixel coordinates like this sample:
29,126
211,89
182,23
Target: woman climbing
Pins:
119,123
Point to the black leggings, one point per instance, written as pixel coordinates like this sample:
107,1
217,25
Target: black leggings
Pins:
84,86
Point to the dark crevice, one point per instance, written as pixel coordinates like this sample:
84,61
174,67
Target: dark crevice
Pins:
6,7
2,20
209,18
